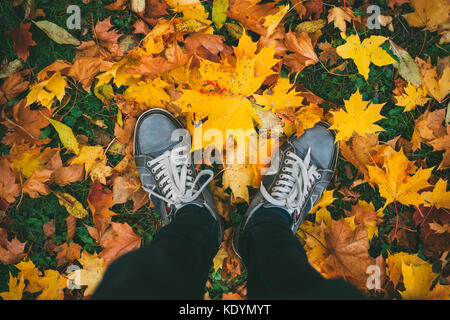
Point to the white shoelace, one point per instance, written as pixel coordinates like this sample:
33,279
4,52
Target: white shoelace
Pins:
175,169
293,184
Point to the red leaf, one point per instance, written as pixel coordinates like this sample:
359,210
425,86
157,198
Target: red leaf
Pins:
22,40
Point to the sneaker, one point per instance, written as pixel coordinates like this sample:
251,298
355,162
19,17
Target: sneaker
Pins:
306,165
165,165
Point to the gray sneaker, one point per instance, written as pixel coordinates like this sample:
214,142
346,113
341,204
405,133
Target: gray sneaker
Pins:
305,168
165,165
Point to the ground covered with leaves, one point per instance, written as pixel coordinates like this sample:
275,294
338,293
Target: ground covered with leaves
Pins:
70,197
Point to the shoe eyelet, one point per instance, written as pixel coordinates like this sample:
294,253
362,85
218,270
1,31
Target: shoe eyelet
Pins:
189,171
153,171
148,164
286,161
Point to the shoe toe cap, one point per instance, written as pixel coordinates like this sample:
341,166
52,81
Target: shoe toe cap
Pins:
321,141
154,134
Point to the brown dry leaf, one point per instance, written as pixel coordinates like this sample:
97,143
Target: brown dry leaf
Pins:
71,223
85,69
359,151
347,253
25,125
15,85
10,251
206,46
435,79
328,53
9,189
222,200
67,253
22,40
339,15
304,55
61,66
118,5
124,188
64,175
35,185
250,14
123,241
429,125
231,264
154,9
100,201
103,31
141,27
125,135
313,9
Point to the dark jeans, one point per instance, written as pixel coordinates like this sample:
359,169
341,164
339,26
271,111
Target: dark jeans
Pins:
176,263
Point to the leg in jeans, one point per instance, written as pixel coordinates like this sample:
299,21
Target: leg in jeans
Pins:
174,266
277,264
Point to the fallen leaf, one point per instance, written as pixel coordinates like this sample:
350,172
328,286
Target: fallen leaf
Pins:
407,68
65,135
365,52
359,116
22,40
67,253
16,287
56,33
394,180
9,189
10,251
339,15
437,84
92,272
125,240
72,205
428,14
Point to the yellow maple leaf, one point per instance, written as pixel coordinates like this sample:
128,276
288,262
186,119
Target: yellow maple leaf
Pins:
273,20
417,280
220,91
413,96
46,91
279,97
439,197
16,286
27,159
30,273
218,259
326,200
369,51
92,273
238,177
52,284
358,117
150,93
428,14
306,117
395,182
394,264
88,156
